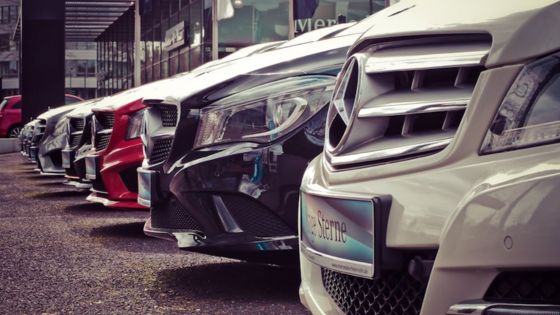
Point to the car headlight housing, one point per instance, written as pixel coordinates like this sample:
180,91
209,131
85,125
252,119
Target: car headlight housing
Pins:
135,124
264,113
530,112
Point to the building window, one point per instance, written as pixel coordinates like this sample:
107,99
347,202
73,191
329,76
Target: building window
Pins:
8,14
246,22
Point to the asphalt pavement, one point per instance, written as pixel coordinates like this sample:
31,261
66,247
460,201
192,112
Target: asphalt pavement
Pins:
60,254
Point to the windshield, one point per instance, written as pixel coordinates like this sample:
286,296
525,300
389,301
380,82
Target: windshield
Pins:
3,104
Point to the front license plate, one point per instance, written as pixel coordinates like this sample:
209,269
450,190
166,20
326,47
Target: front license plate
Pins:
146,181
91,170
338,234
66,158
33,153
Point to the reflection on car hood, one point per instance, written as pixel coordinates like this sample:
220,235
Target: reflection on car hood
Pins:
183,87
520,29
55,112
124,98
85,108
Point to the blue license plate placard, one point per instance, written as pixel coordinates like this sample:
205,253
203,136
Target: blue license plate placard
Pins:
338,233
66,159
145,185
91,167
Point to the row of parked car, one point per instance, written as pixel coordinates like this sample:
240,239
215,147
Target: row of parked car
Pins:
409,161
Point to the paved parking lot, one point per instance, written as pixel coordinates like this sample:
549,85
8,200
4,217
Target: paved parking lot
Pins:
61,254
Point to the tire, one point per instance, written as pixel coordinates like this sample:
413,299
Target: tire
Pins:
14,131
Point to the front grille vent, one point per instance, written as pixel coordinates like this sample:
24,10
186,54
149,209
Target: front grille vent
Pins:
393,293
161,150
541,287
102,141
105,119
77,124
75,139
169,115
402,100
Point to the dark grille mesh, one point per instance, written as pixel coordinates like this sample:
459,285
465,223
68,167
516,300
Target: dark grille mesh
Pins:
168,115
394,293
172,215
102,141
255,218
106,119
77,124
75,140
161,150
525,287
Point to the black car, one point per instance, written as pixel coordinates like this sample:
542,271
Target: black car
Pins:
225,150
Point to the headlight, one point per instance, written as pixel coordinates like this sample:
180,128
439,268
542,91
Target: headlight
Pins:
530,112
135,124
264,113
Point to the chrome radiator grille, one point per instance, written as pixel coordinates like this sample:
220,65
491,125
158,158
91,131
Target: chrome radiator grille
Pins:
402,99
160,121
102,125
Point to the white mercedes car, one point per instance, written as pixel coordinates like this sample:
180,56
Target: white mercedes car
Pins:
438,190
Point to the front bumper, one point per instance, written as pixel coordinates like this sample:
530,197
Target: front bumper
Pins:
113,175
243,198
278,250
495,225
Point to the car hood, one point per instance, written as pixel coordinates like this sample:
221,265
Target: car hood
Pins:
57,112
519,29
280,61
85,108
122,99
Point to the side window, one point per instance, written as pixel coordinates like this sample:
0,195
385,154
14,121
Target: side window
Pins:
17,105
70,100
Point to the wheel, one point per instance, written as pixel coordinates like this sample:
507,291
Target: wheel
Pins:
14,132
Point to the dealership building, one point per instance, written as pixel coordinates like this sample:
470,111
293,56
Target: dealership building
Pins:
140,41
174,36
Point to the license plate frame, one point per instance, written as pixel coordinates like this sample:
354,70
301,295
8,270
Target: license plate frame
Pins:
341,233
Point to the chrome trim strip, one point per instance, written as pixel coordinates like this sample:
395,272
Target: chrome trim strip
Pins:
394,109
479,307
389,153
380,64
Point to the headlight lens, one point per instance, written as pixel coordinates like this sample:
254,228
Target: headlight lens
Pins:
264,113
135,124
530,112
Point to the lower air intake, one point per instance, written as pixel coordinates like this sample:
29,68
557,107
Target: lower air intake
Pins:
541,287
394,293
172,215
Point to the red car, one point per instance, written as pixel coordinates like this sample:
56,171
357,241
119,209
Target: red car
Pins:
10,114
117,151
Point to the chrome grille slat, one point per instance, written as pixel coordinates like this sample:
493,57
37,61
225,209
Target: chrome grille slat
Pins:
104,128
102,141
414,91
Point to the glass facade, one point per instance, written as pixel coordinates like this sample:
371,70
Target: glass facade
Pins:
177,35
115,51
